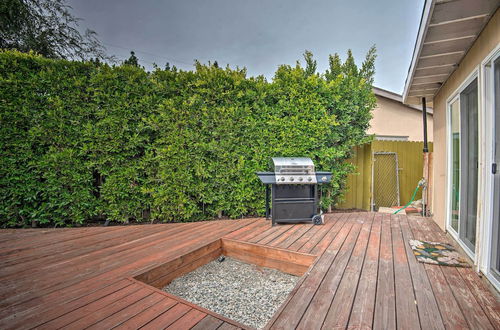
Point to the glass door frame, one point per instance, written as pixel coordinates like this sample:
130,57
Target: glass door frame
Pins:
455,96
487,109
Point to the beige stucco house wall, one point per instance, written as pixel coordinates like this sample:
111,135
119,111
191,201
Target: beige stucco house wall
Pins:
393,118
455,69
485,43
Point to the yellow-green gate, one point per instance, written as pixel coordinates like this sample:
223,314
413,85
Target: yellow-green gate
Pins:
358,193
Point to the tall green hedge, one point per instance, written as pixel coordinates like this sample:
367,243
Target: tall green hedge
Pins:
86,141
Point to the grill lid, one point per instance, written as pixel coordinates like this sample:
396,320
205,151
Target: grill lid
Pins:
294,170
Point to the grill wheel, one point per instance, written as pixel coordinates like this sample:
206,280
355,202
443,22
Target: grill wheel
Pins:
317,219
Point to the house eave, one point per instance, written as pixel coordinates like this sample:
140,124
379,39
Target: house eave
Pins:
447,31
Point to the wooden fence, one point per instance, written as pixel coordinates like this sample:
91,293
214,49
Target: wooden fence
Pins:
359,183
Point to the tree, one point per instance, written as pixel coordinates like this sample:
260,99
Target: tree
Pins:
310,63
132,60
48,28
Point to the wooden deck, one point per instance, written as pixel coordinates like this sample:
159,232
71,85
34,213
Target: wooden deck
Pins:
365,276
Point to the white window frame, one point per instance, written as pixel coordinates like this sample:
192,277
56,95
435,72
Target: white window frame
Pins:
454,96
487,112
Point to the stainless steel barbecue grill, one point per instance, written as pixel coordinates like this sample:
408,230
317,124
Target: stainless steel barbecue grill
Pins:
294,190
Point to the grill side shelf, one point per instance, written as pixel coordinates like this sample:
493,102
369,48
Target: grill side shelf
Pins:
267,177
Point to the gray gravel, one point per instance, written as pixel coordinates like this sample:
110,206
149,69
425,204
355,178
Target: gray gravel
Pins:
237,290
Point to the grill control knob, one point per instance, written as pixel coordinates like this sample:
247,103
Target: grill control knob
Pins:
309,179
291,179
301,178
282,178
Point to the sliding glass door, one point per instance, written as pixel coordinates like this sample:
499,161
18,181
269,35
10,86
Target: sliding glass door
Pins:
469,158
464,164
495,246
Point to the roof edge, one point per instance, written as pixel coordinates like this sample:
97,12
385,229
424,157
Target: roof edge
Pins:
422,30
397,98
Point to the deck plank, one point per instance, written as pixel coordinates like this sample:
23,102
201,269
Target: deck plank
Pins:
147,315
127,313
406,302
363,307
451,314
65,253
248,231
188,321
208,323
266,230
486,300
278,232
289,234
319,242
92,307
293,238
428,308
85,317
385,305
473,312
341,306
305,238
167,318
317,310
60,309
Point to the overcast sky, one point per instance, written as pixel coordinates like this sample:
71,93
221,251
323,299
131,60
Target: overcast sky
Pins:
257,34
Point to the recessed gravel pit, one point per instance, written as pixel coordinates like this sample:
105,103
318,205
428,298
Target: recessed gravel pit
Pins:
248,286
242,292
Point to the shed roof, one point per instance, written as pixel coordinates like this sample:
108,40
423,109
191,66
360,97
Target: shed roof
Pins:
397,98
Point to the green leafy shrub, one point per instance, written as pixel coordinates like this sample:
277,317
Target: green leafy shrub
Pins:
85,141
